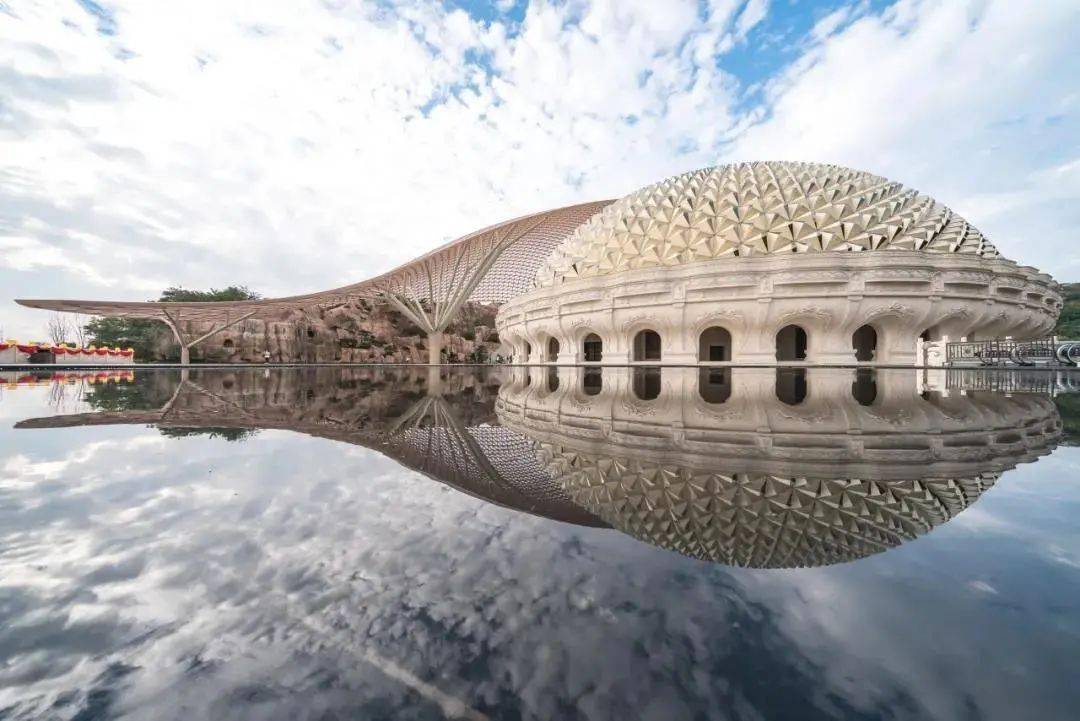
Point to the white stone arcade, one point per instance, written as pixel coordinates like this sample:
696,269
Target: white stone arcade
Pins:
825,309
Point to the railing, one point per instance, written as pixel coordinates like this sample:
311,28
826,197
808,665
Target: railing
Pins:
1008,352
1012,381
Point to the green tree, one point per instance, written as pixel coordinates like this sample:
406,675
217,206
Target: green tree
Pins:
1069,323
176,294
1068,406
228,434
138,333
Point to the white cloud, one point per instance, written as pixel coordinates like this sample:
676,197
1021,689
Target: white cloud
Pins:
752,14
964,101
298,146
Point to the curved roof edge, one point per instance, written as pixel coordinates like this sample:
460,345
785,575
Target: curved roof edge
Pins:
544,229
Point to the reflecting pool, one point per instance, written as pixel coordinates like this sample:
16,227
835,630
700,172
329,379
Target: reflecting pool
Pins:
540,543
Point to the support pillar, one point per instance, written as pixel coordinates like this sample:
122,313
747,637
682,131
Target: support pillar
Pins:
435,344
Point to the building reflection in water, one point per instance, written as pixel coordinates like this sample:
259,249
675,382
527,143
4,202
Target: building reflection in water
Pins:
775,468
769,468
791,385
714,384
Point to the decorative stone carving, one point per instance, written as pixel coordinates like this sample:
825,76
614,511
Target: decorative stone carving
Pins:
641,319
717,317
893,310
805,312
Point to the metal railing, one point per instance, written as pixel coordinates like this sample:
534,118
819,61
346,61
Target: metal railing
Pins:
1009,352
1012,381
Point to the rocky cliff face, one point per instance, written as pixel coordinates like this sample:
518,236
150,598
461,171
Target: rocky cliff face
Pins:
354,332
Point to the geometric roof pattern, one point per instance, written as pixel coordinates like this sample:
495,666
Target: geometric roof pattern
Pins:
490,265
757,520
753,209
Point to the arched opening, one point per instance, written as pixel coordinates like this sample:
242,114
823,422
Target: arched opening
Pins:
864,387
552,380
864,342
714,345
791,385
528,352
646,383
647,346
592,381
791,344
714,384
593,348
228,344
552,350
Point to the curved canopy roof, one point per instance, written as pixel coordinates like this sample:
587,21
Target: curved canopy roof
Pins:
490,265
751,209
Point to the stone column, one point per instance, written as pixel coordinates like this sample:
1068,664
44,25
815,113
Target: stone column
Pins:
435,344
678,349
831,347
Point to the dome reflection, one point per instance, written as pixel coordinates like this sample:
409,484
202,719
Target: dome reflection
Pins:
784,468
755,467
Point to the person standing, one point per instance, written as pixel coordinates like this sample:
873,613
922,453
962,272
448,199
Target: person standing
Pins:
266,356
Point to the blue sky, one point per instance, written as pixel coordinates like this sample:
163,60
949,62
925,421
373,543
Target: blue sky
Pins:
294,146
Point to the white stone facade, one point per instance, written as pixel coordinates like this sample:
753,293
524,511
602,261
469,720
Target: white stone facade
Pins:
904,296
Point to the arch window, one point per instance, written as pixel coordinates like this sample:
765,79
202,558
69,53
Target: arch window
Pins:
647,346
593,348
791,344
714,344
865,342
552,350
552,380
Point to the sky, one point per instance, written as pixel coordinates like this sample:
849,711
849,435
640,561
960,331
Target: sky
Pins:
300,145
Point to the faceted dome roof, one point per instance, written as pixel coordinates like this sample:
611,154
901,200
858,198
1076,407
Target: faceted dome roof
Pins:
752,209
757,520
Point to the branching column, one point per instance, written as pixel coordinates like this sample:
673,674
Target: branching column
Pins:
432,292
186,346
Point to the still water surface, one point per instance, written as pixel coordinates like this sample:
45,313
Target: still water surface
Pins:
539,543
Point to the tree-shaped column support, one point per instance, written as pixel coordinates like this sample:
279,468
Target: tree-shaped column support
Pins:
173,321
431,291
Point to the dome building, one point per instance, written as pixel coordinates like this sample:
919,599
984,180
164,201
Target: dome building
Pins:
771,262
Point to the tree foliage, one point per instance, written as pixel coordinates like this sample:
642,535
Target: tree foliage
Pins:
138,333
1068,406
176,294
1069,323
229,434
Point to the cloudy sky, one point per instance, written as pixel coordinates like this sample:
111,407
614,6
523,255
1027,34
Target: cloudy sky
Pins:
294,146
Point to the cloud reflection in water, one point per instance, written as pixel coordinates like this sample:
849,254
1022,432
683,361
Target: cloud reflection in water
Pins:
291,576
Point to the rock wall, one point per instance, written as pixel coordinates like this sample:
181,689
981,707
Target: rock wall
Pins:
354,332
